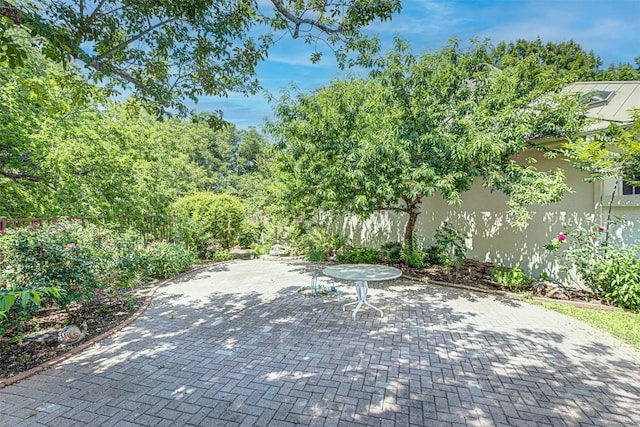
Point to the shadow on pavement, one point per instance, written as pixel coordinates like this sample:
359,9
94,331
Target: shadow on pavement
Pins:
253,351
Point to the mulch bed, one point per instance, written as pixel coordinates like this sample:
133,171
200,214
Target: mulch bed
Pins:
103,313
473,273
476,274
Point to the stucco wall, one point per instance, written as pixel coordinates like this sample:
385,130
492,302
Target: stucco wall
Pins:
483,218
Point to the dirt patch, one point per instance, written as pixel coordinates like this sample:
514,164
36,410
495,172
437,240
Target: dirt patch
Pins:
32,342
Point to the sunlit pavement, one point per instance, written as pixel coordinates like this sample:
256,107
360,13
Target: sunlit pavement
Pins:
236,345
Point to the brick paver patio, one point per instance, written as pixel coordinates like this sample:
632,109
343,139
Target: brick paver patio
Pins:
235,345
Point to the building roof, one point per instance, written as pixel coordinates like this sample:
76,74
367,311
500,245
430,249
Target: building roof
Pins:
611,102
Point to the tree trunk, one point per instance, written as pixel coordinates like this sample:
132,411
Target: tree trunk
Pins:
413,209
608,223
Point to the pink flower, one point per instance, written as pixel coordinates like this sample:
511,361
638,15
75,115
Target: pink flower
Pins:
601,229
562,237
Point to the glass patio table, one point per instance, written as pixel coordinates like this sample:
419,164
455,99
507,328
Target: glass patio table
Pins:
362,274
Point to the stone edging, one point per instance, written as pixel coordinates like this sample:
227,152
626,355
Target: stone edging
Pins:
580,304
76,350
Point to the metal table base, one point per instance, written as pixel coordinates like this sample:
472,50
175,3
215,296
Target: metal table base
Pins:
362,289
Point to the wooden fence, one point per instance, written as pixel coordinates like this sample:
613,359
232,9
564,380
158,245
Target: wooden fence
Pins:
151,227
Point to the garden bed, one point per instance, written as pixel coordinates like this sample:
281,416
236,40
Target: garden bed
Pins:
478,275
101,314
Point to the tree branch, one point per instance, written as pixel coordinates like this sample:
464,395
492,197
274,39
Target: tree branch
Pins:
13,13
298,21
19,17
133,39
20,175
95,11
100,66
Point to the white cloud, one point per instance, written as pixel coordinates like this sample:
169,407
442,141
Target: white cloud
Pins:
608,28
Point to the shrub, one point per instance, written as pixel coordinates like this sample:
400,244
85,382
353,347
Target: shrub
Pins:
392,252
316,254
45,263
449,248
512,278
164,259
122,258
207,218
67,261
315,242
222,255
260,249
359,256
416,258
248,235
617,279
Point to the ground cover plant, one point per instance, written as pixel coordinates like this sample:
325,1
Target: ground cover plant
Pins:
512,278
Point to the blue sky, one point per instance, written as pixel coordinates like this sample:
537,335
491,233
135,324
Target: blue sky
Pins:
611,28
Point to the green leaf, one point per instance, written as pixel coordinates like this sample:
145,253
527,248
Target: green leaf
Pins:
35,296
6,301
25,298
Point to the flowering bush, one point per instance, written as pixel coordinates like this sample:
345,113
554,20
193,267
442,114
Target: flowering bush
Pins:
122,257
609,270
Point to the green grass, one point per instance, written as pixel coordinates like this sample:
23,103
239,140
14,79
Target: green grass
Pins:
622,324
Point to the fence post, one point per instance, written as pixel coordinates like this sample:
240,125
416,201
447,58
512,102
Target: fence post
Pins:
3,224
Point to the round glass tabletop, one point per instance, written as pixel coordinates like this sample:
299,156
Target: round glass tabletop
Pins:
362,272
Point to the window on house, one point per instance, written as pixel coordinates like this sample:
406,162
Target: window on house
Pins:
628,188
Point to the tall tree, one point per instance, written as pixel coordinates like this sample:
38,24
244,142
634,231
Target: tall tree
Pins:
62,153
422,125
34,99
170,52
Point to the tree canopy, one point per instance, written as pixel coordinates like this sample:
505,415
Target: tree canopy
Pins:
420,126
64,153
170,52
567,61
